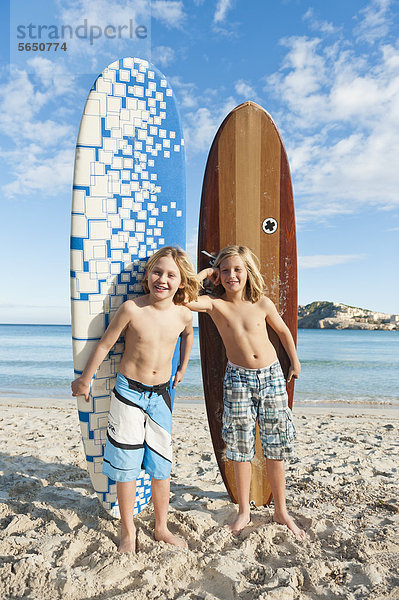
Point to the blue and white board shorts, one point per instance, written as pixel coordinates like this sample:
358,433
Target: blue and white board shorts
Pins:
139,433
256,394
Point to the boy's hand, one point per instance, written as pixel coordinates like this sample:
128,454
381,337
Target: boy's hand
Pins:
178,377
80,388
294,372
214,275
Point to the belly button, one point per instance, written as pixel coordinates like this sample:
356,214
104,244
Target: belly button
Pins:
154,372
255,355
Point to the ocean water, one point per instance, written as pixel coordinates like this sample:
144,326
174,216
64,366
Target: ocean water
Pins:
337,366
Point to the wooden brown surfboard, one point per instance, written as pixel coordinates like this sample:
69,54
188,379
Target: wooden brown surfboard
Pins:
247,200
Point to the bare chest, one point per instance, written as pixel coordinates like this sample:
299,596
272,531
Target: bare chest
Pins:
245,319
150,329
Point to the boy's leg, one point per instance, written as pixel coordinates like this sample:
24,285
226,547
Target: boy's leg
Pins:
276,475
158,460
160,490
277,434
242,472
238,433
123,453
126,491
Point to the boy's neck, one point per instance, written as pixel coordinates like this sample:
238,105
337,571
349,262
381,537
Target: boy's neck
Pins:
235,297
160,304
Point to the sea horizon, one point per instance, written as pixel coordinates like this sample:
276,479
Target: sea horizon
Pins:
338,366
194,326
299,305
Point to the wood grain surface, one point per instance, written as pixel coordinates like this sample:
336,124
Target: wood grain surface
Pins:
247,180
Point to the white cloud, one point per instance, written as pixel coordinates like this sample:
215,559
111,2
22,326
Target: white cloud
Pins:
41,151
200,129
244,89
222,8
374,21
302,75
169,12
34,173
326,260
124,15
202,113
322,26
201,125
19,101
162,56
186,92
54,77
340,122
22,97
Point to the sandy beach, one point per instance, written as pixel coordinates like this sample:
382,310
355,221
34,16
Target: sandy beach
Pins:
57,542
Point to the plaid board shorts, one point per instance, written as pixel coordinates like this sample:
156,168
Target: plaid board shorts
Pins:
251,394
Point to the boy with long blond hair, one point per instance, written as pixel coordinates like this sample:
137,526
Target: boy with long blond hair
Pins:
140,418
254,385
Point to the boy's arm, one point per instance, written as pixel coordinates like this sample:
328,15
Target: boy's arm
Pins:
204,303
209,273
277,323
187,338
81,385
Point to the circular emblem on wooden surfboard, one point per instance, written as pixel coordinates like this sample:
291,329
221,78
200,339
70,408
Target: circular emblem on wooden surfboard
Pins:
270,225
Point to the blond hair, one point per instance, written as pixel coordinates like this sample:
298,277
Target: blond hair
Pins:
255,286
189,282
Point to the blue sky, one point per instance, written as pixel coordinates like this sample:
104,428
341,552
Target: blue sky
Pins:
326,70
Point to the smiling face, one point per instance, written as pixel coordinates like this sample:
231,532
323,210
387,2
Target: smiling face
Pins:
233,274
164,278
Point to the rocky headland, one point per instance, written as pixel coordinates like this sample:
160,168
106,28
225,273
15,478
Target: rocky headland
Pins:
333,315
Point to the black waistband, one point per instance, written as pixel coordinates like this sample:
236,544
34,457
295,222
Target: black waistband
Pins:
140,387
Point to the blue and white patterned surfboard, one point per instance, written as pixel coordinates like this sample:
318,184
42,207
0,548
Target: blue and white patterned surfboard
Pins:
128,201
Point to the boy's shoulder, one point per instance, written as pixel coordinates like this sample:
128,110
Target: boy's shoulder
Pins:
214,296
213,300
133,304
185,312
264,303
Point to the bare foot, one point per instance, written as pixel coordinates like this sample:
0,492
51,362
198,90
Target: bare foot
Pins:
128,540
285,519
241,521
164,535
